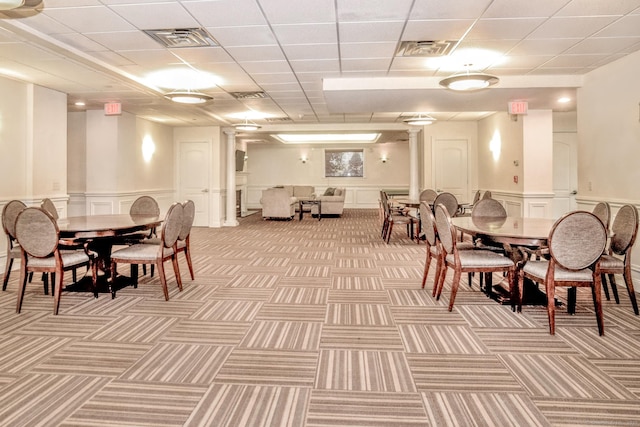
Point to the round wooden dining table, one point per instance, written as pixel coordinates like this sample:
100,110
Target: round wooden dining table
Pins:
101,233
515,234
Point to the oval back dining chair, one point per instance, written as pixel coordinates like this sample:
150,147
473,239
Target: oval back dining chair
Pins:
618,261
39,237
476,198
487,195
50,207
428,195
183,243
488,208
603,211
468,261
449,201
9,214
154,254
576,243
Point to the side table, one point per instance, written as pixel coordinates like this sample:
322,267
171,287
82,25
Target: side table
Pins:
310,203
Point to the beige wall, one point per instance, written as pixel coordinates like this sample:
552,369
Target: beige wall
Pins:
609,132
14,133
496,170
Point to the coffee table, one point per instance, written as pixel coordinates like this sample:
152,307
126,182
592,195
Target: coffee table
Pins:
310,202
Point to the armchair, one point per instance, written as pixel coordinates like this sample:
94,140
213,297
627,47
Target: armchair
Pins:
332,204
276,203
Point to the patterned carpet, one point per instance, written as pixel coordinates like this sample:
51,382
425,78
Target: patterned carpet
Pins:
310,323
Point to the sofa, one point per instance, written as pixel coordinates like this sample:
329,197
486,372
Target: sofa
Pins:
277,203
332,201
300,192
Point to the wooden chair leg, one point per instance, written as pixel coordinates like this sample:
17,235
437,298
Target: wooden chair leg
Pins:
7,271
454,288
176,271
426,268
21,287
58,292
187,254
614,287
163,280
597,303
551,307
632,292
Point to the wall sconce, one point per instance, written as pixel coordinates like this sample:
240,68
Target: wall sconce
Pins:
383,159
303,159
148,148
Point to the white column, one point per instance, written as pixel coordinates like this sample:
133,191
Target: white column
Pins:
230,220
413,164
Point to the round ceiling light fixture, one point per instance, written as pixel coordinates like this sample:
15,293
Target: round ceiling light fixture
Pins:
188,97
420,120
247,125
469,81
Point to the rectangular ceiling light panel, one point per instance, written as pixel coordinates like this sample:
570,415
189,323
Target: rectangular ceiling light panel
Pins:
327,138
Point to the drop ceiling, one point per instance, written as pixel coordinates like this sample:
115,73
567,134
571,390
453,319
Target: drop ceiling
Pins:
316,62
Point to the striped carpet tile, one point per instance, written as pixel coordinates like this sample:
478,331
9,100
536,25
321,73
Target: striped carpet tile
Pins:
45,400
441,339
187,331
309,256
197,292
523,340
361,337
563,376
589,412
179,363
621,316
161,308
364,370
411,297
227,311
300,296
231,405
292,312
260,281
21,353
495,316
482,409
10,323
238,294
358,297
269,367
92,358
626,372
436,315
616,343
367,409
134,329
308,271
359,314
104,305
347,282
65,326
270,262
138,404
471,373
304,336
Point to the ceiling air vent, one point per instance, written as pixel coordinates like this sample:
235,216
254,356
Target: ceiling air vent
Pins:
426,48
248,95
278,119
182,37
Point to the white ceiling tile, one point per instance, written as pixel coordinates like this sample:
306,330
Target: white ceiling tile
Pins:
321,65
569,61
590,7
366,65
163,13
516,28
370,32
628,26
265,67
603,45
444,29
306,33
367,50
447,9
81,42
363,10
202,54
256,53
564,28
529,61
497,46
23,53
90,19
125,40
299,11
226,13
288,77
258,35
523,8
150,58
311,51
543,46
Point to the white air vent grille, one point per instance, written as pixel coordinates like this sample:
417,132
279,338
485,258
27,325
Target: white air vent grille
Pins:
426,48
278,119
182,37
248,95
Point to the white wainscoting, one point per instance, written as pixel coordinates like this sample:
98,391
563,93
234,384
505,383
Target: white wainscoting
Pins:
115,203
528,205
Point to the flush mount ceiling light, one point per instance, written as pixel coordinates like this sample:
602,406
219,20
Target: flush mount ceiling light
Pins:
469,81
14,4
420,120
188,97
247,125
327,138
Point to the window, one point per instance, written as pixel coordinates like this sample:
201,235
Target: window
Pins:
344,163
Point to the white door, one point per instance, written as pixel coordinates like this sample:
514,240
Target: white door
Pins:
565,177
194,178
450,167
